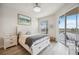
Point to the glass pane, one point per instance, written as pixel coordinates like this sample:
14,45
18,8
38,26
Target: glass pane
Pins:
78,27
62,29
77,33
44,27
71,32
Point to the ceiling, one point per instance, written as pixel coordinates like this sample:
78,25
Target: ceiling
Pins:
46,8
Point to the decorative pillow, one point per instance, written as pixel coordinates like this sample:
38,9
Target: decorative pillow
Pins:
28,41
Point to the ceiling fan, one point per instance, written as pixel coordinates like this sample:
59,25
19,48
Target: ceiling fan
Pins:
36,7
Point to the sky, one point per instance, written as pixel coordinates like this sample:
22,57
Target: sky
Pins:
71,21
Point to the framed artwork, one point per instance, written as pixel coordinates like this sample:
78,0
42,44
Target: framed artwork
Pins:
24,20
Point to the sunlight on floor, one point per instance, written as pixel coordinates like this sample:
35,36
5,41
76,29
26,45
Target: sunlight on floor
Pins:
55,49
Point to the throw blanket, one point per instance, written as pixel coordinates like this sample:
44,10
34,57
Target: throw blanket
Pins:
32,39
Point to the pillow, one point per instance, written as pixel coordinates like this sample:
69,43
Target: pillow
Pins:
28,41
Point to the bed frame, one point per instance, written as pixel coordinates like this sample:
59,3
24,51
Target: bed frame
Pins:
34,49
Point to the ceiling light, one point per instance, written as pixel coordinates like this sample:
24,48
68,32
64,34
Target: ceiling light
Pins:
36,8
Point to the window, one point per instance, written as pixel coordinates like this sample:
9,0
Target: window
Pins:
62,29
69,29
61,24
44,27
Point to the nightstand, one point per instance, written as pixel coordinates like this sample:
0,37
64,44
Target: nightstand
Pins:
10,41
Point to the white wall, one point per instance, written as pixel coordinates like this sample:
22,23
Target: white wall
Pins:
0,19
10,21
1,41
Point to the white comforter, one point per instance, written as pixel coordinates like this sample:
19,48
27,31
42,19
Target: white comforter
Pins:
37,46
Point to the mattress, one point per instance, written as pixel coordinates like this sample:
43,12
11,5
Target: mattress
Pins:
30,40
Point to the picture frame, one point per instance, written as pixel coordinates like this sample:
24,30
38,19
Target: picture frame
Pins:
24,20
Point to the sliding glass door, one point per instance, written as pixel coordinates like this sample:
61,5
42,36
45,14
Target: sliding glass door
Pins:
78,27
69,30
71,33
77,34
62,29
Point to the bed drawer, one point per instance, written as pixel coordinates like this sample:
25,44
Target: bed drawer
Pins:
39,47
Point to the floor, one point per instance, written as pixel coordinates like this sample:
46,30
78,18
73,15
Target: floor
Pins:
15,50
55,49
52,49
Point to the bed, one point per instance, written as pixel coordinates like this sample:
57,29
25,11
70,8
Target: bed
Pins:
35,43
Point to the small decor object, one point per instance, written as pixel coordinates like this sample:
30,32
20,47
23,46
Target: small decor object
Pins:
52,39
24,20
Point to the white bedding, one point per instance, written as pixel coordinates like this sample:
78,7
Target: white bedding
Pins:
36,49
37,46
